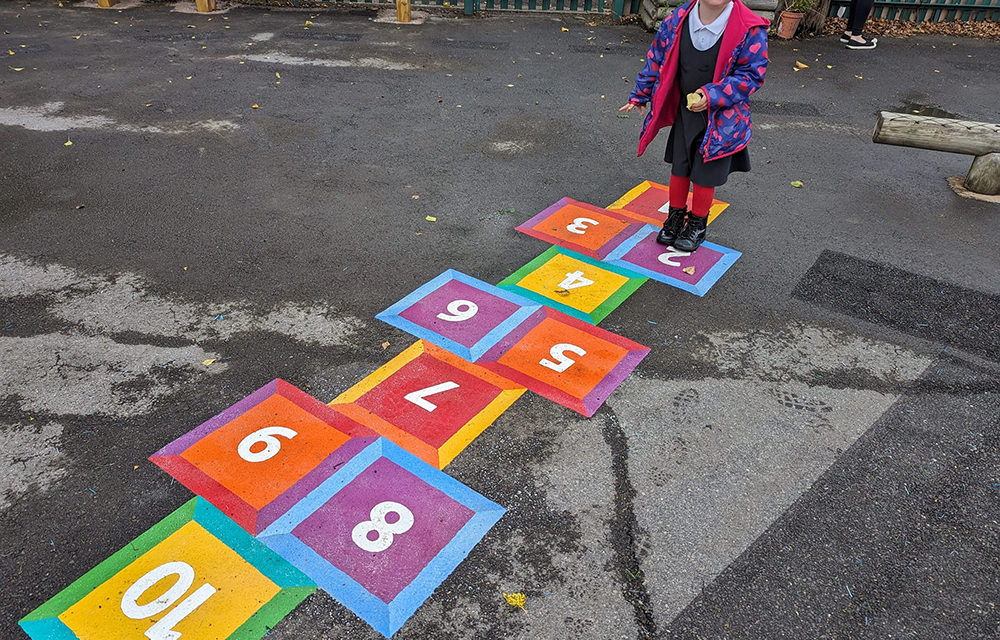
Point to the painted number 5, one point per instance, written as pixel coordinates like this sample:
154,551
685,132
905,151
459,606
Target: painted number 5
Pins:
579,226
266,436
164,627
562,361
378,524
459,310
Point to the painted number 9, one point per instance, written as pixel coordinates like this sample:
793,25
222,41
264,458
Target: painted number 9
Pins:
562,361
579,226
271,444
385,530
163,629
459,310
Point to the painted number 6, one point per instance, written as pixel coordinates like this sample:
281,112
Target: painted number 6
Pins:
163,629
271,444
562,361
579,226
459,310
385,530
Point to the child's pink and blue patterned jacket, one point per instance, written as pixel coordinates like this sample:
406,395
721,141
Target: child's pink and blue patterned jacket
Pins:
739,72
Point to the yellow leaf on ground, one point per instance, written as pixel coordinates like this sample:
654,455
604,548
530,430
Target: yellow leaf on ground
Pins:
431,219
516,599
68,143
801,65
17,68
689,270
796,183
255,106
208,362
565,29
385,345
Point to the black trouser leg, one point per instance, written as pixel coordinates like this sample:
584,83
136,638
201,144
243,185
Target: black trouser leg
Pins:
859,15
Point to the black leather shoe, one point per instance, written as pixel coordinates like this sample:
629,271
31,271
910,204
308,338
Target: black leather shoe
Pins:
692,235
672,225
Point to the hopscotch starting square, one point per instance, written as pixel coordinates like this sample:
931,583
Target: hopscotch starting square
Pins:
574,284
581,227
565,360
383,532
649,202
428,401
220,583
459,313
260,456
693,272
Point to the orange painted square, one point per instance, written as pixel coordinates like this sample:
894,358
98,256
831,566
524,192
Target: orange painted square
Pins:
258,483
595,236
580,378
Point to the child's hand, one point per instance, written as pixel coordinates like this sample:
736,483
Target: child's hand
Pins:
628,107
702,104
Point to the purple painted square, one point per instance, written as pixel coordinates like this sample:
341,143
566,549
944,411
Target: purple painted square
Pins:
436,520
493,310
646,254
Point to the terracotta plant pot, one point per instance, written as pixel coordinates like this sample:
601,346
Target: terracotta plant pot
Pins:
789,24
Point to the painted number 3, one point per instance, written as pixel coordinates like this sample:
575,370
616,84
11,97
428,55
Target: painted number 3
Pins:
579,226
378,524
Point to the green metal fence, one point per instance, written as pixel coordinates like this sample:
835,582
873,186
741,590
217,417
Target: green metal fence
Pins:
927,10
583,6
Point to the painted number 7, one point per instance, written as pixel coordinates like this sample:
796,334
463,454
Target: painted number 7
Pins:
561,360
164,627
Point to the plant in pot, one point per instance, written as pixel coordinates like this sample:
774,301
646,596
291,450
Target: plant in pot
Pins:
791,15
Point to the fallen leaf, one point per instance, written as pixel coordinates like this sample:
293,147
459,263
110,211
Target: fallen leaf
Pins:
510,85
308,23
185,268
134,467
16,68
188,77
208,362
801,65
415,197
689,270
565,29
255,106
80,206
516,599
68,143
796,183
385,345
431,219
10,52
277,75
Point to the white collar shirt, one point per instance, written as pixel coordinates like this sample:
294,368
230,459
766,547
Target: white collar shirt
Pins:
704,36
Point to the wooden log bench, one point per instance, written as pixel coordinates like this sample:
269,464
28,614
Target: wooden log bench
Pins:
978,139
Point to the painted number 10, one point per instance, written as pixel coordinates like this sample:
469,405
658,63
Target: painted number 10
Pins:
560,361
378,524
164,627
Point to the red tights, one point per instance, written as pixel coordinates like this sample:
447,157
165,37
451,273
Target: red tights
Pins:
701,199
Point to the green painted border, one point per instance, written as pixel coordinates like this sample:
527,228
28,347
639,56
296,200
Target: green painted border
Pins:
89,581
273,612
601,311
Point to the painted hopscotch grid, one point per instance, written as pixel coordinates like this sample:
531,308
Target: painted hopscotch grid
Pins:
260,456
228,585
574,284
649,201
566,360
581,227
459,313
692,272
428,401
436,523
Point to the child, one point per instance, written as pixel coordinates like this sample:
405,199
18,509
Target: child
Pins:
711,54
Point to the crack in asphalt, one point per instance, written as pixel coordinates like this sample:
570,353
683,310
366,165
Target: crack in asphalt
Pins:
625,529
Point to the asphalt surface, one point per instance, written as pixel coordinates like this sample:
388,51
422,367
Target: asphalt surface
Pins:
809,451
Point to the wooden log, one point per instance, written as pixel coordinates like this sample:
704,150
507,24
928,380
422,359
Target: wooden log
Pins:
106,4
403,10
984,175
204,6
937,134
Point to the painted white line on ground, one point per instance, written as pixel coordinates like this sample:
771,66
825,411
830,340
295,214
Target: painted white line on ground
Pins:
262,37
45,118
367,63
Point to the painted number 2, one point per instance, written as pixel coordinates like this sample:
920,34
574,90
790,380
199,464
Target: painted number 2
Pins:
575,280
561,361
667,258
271,444
378,524
459,310
579,226
164,627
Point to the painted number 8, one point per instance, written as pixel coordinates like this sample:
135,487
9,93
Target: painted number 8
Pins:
271,444
164,627
385,530
459,310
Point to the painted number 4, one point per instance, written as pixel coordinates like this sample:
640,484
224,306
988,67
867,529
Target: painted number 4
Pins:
575,280
164,627
361,534
561,361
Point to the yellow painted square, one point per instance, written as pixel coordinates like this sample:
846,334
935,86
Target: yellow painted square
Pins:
240,591
546,281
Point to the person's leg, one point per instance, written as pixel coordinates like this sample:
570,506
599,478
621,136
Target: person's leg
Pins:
677,212
679,186
693,233
856,23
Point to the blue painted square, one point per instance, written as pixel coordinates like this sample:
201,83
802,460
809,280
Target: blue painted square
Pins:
642,254
382,533
459,313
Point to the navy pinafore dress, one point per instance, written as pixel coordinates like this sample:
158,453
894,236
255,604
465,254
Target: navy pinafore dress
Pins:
694,70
